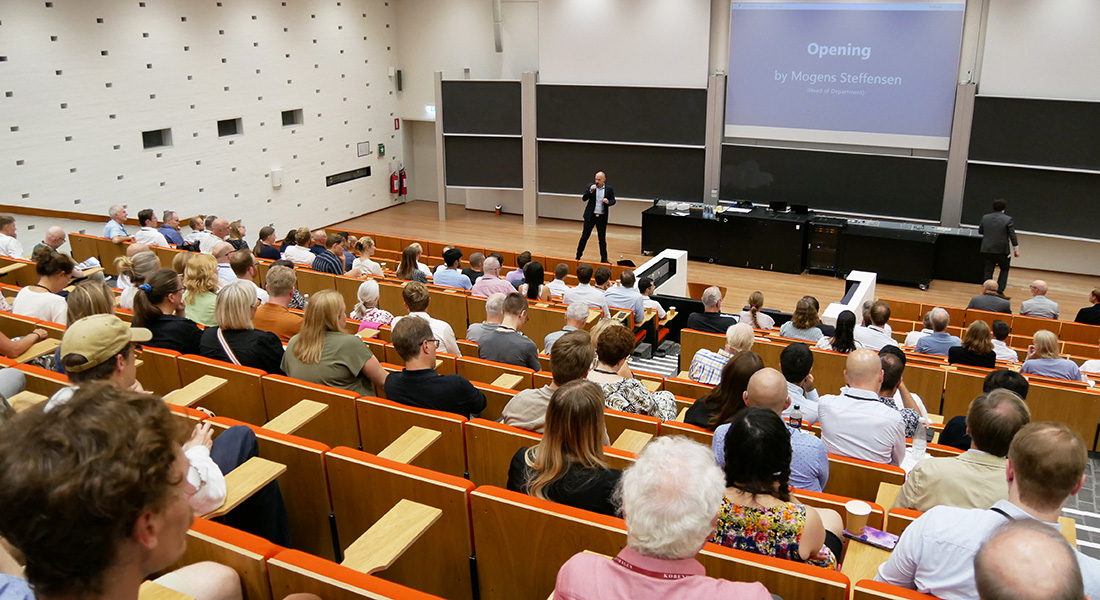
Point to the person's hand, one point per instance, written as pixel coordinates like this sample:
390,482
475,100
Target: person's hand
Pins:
201,436
820,555
40,333
592,188
808,383
1030,352
605,201
1016,253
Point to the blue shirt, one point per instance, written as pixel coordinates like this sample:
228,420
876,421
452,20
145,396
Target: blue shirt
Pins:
1059,368
809,461
14,588
629,298
452,278
706,365
937,343
327,262
114,228
171,234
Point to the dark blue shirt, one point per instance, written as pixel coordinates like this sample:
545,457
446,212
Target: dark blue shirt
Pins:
327,262
171,235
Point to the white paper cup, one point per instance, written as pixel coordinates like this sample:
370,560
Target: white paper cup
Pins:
858,511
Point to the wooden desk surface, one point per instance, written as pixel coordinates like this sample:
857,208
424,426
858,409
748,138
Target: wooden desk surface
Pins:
154,591
246,480
390,536
46,346
862,561
632,441
507,380
195,391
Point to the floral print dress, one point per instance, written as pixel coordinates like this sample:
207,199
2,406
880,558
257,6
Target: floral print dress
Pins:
772,531
632,396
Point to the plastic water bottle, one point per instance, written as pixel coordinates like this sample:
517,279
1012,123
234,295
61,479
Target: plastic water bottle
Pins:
796,417
920,440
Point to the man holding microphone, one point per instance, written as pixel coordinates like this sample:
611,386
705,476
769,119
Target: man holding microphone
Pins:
599,198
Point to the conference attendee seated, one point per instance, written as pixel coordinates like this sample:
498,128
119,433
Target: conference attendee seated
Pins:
200,280
990,299
299,253
235,340
219,232
323,353
753,316
720,404
712,319
245,268
14,348
975,478
12,381
527,409
136,269
803,323
939,341
274,315
536,292
912,337
297,300
876,334
568,464
123,281
451,275
1001,331
494,314
1039,305
826,330
613,348
170,228
9,245
796,362
669,499
706,366
518,276
149,234
416,299
491,282
1043,359
601,279
40,300
332,259
647,288
317,241
576,315
418,384
237,231
1090,315
843,339
474,272
366,311
221,253
893,366
407,268
584,292
1027,560
935,555
115,229
758,513
855,423
506,344
976,349
809,462
158,307
54,239
624,296
198,229
363,266
557,287
954,431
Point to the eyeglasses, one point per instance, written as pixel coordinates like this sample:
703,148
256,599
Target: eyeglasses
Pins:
436,342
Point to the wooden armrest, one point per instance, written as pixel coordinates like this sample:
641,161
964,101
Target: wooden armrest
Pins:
651,385
683,415
91,270
411,444
296,416
669,315
150,590
198,389
46,346
936,418
594,314
1069,530
650,314
887,495
367,333
438,362
632,441
381,545
246,480
507,380
12,267
24,400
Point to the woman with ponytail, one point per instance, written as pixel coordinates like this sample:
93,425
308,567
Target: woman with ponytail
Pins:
265,246
158,307
753,316
137,268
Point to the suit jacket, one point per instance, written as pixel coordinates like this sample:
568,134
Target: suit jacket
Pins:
1089,315
997,230
971,480
589,196
991,303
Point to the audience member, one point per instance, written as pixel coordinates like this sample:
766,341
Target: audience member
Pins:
939,341
451,274
568,464
87,298
332,259
299,253
158,307
976,478
935,555
646,287
9,245
366,311
200,280
517,276
423,267
796,362
758,513
137,269
491,282
474,271
1090,315
584,292
803,323
1001,331
711,319
180,260
706,366
237,232
363,265
115,229
809,462
1039,305
976,349
297,300
170,228
753,316
40,300
418,384
876,334
274,315
123,281
198,228
1043,359
843,339
718,406
218,232
954,432
826,330
505,344
576,315
349,243
289,240
669,499
54,239
1027,560
416,299
893,366
613,348
527,409
13,348
266,247
221,253
624,296
912,337
317,241
990,299
855,423
149,234
557,287
601,279
12,381
323,353
534,272
245,268
234,340
494,314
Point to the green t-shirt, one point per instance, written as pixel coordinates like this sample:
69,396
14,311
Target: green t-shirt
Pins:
341,365
202,311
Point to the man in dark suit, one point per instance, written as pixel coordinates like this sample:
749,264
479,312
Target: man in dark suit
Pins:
990,300
998,230
600,198
1090,314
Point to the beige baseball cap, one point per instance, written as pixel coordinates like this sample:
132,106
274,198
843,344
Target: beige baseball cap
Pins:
98,338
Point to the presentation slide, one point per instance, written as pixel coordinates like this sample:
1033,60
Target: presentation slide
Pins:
874,73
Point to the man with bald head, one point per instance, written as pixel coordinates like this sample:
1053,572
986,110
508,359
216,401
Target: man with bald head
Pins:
221,252
491,283
939,341
809,463
855,423
712,319
54,239
990,299
599,198
1039,305
219,230
1026,560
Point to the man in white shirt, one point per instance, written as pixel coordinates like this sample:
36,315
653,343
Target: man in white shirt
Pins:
416,299
244,268
935,555
796,362
1039,305
198,229
221,252
855,423
219,230
646,287
914,336
876,335
584,292
148,233
1026,559
1001,331
557,286
9,246
624,296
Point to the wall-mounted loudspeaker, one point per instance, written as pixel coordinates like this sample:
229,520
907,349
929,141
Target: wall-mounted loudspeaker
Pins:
398,79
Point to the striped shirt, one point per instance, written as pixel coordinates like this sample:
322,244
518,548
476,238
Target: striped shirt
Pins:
707,365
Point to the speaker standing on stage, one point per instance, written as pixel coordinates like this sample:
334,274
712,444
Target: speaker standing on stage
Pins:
600,198
997,231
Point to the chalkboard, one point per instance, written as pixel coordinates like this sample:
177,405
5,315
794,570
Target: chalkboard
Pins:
894,186
1054,133
622,114
491,107
1057,202
645,172
484,162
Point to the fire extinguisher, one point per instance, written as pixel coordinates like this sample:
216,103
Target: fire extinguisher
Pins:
404,184
395,185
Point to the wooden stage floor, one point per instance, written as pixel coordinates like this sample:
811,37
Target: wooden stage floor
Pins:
558,237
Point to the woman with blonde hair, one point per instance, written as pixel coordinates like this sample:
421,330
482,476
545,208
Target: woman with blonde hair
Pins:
234,340
200,280
299,253
265,245
803,323
89,297
136,268
568,465
408,269
1043,359
753,316
363,266
40,300
236,236
159,307
180,260
366,311
323,353
976,349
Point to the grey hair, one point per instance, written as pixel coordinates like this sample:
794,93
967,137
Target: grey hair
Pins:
577,311
494,305
168,214
669,498
491,264
368,292
739,337
711,296
940,319
114,210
